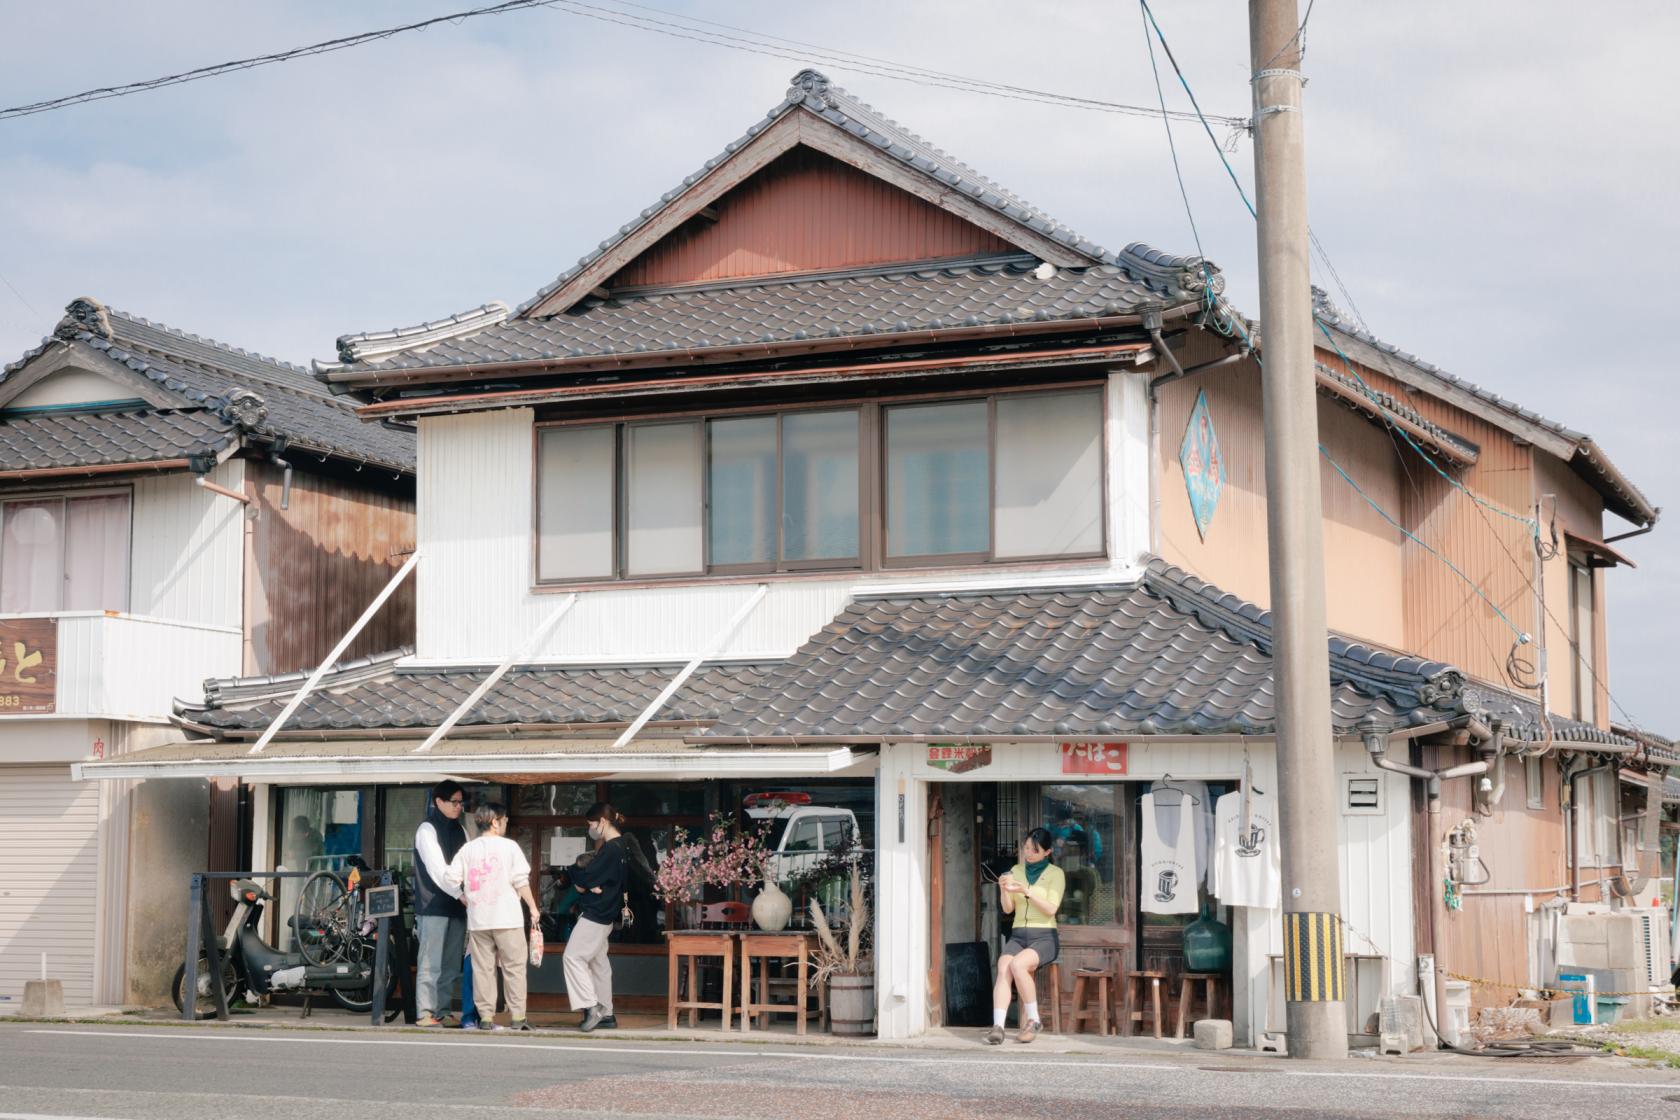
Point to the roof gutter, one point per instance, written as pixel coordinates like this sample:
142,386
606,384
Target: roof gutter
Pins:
95,469
510,398
407,375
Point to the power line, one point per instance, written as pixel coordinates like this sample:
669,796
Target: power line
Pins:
746,41
1172,145
104,93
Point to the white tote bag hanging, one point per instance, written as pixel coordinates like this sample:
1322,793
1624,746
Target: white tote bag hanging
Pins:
1170,881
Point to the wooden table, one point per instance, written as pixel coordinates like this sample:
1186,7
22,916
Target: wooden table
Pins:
693,945
762,947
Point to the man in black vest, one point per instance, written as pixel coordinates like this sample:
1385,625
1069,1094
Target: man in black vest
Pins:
440,917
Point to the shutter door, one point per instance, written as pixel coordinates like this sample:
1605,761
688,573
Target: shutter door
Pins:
49,862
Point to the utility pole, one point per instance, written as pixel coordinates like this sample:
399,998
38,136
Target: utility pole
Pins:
1312,880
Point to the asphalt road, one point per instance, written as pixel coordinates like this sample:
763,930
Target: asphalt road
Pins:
138,1073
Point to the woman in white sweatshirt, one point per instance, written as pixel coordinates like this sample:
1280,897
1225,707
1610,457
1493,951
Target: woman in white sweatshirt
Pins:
495,878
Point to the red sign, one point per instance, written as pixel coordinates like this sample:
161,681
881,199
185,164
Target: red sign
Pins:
1093,758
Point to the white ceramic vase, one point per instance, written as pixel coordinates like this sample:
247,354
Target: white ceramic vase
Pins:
772,908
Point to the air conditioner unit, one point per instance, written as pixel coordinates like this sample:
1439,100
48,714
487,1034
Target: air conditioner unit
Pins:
1653,956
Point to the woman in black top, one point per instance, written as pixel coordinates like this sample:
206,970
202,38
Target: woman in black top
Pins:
601,881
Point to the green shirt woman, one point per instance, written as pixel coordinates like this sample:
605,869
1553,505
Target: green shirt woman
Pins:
1031,892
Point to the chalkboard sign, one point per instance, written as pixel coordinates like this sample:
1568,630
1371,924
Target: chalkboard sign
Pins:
968,984
382,902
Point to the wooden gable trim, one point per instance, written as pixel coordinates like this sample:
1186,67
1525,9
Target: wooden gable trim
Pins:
1398,368
791,130
74,355
824,137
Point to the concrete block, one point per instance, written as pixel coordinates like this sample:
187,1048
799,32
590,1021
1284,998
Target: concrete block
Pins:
43,999
1274,1042
1213,1034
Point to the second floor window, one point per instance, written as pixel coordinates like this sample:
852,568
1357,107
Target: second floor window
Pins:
1582,635
66,553
1006,477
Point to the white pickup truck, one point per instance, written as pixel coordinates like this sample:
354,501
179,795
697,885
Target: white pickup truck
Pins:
801,834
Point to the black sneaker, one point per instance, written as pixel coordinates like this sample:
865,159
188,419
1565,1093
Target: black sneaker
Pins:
592,1021
607,1023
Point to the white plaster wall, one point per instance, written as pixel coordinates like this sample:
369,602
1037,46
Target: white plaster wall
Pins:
188,550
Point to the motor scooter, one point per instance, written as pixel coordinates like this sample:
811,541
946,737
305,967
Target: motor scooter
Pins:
254,967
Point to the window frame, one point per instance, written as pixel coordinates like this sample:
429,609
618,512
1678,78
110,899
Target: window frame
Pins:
872,498
1583,648
65,496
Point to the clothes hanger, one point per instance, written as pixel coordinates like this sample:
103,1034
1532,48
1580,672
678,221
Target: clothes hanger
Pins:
1166,784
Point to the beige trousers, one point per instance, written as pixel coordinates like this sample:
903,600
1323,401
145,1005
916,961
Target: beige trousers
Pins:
508,949
588,972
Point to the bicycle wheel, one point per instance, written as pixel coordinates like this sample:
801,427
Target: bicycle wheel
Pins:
323,919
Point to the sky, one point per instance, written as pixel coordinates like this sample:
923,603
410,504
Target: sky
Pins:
1487,178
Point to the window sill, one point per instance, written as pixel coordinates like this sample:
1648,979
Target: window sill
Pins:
894,576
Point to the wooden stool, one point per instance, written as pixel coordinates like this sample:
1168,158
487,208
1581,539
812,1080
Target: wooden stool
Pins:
694,944
795,946
1131,991
1055,993
1081,1012
1212,983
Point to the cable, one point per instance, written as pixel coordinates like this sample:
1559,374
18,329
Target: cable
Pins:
328,46
1172,145
1200,116
747,41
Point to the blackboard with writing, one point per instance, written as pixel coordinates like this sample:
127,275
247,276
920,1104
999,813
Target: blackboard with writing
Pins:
968,984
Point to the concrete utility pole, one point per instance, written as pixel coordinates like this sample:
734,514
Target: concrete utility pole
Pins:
1312,880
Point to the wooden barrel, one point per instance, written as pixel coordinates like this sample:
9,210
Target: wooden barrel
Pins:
851,1005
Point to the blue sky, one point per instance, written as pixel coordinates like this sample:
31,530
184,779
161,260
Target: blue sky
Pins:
1493,181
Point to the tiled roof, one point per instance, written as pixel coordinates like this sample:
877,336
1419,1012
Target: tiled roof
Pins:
859,303
375,693
1386,408
237,389
51,440
1597,466
812,92
1656,748
1168,655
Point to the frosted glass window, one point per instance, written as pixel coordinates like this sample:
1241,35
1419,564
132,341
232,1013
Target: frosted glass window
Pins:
662,499
96,553
743,491
575,504
32,556
1581,634
1049,475
937,479
820,486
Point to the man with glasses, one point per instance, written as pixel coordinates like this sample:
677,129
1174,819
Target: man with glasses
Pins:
440,916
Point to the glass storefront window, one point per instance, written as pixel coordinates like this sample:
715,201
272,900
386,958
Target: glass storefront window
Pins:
405,808
320,828
1083,820
555,799
658,799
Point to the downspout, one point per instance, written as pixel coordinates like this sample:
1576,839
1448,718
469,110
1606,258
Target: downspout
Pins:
286,480
1376,743
1640,532
1497,793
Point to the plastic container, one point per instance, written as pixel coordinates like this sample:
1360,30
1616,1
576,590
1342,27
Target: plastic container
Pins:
1455,1021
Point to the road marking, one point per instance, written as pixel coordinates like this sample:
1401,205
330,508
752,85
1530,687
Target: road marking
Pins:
1039,1061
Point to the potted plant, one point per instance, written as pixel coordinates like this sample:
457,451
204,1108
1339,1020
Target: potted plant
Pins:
844,962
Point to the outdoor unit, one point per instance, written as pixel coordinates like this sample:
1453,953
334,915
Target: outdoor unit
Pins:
1653,944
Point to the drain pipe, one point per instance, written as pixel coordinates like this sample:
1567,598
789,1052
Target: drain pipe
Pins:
1491,797
286,480
1376,743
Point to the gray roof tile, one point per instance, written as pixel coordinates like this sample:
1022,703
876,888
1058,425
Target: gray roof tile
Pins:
51,440
853,304
206,375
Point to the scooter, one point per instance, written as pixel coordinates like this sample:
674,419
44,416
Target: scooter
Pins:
251,965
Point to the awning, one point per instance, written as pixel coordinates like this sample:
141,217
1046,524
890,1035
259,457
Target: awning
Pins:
1596,553
504,759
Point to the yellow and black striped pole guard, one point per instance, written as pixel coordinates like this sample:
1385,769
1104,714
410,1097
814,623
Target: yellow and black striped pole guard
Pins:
1312,957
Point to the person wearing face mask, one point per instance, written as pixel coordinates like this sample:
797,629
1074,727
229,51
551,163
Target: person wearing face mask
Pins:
601,881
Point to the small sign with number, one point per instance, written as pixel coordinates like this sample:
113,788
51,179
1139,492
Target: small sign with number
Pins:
1093,758
28,666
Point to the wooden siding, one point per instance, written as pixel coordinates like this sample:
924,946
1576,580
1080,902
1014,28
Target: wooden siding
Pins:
1363,562
1580,510
188,546
806,212
316,565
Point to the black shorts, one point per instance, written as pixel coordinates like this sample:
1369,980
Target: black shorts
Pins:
1044,941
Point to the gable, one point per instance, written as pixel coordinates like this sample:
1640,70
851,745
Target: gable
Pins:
69,388
806,212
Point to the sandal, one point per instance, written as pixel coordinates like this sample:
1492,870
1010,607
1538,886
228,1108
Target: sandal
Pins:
1029,1032
993,1037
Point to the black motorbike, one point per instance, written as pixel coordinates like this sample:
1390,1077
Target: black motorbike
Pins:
334,953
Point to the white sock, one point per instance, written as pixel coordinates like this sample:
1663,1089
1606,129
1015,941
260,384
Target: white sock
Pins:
1032,1013
999,1014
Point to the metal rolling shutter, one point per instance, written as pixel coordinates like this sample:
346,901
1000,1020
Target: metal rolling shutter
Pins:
49,861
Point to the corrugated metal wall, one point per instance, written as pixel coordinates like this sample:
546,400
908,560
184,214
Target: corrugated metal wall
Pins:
316,565
134,668
189,548
806,212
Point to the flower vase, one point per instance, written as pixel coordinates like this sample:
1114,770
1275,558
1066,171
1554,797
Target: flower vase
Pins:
772,908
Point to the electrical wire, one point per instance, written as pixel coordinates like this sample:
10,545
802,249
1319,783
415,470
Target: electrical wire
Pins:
1172,145
747,41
